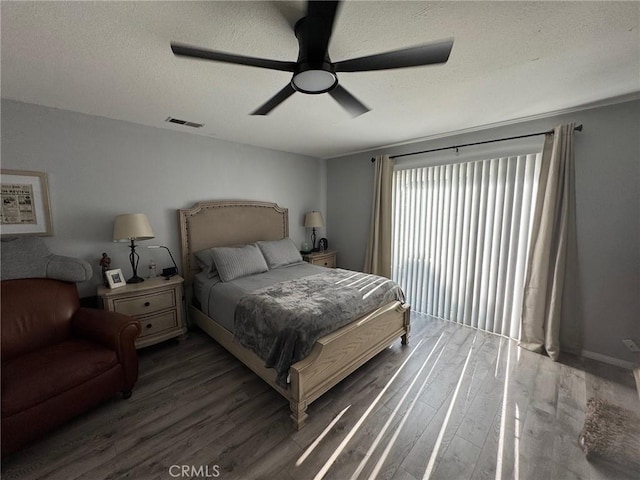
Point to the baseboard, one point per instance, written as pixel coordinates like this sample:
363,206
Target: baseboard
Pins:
607,359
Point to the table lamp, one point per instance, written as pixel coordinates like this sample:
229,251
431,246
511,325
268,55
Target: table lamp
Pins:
313,220
167,272
131,227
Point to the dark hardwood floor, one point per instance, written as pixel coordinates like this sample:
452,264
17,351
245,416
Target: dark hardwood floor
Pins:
455,404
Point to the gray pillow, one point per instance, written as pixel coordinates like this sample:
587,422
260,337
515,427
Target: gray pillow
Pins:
204,259
278,253
236,262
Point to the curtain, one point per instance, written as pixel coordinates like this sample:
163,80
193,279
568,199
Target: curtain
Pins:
378,255
550,284
460,239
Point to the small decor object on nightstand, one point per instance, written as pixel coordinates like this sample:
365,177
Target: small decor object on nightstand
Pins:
323,244
105,263
115,278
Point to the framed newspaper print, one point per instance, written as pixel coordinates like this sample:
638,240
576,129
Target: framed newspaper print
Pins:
25,204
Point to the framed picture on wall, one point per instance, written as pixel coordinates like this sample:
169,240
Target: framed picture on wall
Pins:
115,278
25,204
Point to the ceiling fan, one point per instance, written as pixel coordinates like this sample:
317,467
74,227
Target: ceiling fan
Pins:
314,72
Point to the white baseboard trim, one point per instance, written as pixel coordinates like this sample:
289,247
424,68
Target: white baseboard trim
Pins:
607,359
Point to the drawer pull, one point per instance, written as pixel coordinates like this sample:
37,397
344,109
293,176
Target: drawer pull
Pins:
149,325
326,263
146,304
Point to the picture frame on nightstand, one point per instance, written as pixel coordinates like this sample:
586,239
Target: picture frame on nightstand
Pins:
115,278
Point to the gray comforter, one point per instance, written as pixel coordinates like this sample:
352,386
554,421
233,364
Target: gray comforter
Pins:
280,323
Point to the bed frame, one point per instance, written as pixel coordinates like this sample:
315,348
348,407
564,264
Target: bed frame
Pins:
334,356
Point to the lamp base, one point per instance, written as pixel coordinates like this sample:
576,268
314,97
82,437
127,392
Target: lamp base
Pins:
134,258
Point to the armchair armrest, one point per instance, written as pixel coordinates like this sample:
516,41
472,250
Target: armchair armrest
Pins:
113,330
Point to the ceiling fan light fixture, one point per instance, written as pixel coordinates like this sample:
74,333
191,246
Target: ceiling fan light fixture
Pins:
313,71
314,81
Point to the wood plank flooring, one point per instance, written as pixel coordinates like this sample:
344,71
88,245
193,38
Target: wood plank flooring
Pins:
455,404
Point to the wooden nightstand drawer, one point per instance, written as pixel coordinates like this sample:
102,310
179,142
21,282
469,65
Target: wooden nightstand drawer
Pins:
329,262
156,303
326,258
158,323
145,304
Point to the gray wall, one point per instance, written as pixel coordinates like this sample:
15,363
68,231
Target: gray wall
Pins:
608,214
98,168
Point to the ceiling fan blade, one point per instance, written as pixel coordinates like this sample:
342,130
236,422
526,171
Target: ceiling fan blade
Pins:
196,52
350,103
429,54
274,101
321,15
289,12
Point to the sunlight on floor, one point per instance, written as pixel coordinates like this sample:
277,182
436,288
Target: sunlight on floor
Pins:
436,448
383,430
393,439
323,471
503,417
498,360
317,441
381,448
516,446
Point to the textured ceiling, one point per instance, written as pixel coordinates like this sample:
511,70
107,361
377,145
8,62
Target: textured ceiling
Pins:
510,60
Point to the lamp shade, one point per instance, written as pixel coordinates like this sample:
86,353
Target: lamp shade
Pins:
313,220
131,226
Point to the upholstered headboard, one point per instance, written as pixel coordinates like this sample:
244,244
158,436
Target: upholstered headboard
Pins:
225,223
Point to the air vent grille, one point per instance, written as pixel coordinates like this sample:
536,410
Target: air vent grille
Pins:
184,122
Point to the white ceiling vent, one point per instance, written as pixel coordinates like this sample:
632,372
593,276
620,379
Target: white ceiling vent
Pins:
184,122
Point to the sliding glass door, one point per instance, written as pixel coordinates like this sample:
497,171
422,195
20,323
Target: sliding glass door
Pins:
461,237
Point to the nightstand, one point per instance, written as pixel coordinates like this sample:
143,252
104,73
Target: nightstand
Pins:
324,259
156,303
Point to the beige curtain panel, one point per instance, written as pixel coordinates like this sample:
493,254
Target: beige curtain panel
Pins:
549,319
378,256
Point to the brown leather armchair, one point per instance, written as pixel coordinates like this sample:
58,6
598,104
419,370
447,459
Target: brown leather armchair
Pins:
58,359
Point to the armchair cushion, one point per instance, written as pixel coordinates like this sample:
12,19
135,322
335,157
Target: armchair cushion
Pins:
37,376
29,257
68,269
24,257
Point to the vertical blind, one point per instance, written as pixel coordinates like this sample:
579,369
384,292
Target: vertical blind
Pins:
461,236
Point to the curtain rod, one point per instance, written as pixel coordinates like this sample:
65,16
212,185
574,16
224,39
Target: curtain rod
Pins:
578,129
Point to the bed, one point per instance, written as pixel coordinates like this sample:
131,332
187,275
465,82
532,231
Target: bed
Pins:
333,356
